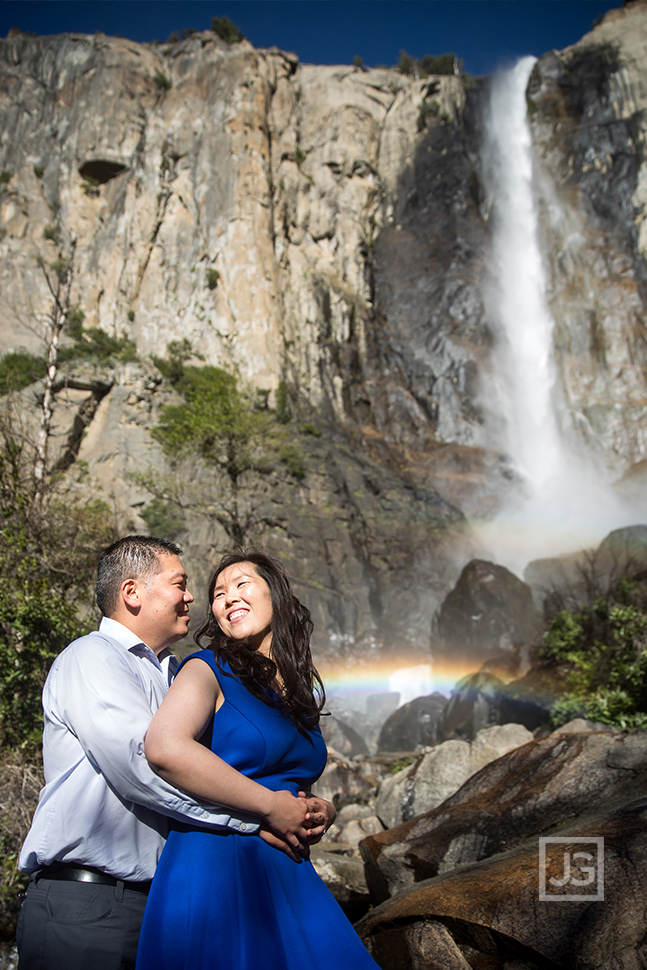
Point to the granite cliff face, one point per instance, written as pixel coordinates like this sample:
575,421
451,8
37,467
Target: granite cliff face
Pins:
325,227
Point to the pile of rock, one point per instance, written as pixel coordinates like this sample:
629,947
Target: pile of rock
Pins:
539,860
510,852
375,793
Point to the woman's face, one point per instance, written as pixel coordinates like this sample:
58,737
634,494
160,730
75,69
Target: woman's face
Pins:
242,605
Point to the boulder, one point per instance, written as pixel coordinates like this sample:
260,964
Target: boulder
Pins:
342,737
342,782
489,615
441,772
564,581
494,910
623,552
343,873
492,877
514,798
413,724
482,699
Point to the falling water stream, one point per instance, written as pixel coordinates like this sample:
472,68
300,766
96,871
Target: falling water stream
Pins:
567,502
523,385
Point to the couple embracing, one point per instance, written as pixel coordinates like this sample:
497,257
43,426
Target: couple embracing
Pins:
205,784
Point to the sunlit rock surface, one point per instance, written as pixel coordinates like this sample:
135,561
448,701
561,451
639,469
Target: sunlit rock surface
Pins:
342,215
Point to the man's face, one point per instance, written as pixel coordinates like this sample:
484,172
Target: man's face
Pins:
164,598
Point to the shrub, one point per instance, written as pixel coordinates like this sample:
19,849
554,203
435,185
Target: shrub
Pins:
602,649
282,403
445,64
20,781
53,233
226,30
38,622
96,345
19,369
177,353
90,186
292,457
213,275
401,763
48,554
39,171
428,65
226,426
162,81
406,64
5,177
217,420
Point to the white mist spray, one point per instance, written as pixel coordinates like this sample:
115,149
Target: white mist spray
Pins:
567,503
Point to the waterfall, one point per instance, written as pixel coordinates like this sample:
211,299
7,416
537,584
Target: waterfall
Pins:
567,502
524,382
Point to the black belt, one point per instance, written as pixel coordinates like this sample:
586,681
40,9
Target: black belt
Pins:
76,873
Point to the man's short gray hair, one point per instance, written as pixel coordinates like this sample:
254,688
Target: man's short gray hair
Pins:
131,557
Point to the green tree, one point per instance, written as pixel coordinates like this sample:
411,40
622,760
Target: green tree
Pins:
48,553
50,543
406,64
226,30
223,424
218,439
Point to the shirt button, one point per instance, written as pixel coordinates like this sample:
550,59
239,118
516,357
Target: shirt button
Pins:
243,827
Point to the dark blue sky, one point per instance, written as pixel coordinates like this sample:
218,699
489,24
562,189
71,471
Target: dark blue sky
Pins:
487,34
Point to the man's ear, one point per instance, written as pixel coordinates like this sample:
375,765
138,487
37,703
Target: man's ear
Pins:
130,593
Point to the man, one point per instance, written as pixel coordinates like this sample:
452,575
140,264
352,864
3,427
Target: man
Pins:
103,815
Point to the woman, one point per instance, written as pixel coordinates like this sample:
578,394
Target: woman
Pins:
231,901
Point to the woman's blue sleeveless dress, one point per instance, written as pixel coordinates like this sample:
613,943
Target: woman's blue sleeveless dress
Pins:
228,901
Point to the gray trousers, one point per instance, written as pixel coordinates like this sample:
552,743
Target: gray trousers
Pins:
78,926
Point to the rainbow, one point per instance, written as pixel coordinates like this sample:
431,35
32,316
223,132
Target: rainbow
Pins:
409,677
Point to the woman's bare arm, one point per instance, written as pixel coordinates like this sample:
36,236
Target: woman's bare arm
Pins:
174,752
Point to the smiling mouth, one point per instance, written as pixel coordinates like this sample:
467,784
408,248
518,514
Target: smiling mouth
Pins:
237,615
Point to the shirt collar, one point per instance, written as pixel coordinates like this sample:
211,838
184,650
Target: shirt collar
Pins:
117,631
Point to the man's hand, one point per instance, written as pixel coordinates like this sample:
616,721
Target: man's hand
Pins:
277,842
321,815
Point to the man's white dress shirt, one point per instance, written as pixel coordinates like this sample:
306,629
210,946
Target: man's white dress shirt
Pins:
102,805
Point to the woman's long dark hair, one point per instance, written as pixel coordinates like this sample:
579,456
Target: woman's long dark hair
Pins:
291,625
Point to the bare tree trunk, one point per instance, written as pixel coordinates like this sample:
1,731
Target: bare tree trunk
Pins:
60,309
